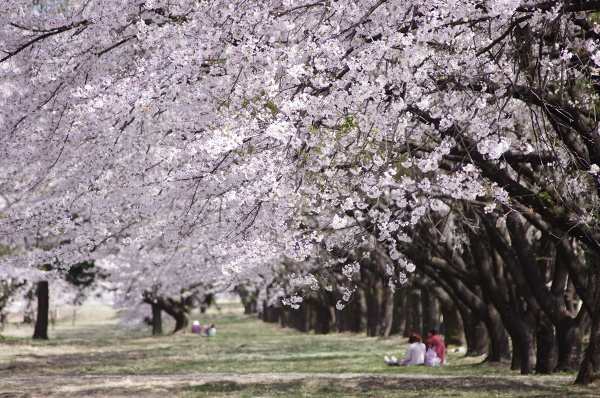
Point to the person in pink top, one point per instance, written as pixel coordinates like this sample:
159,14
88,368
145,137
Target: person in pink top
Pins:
435,341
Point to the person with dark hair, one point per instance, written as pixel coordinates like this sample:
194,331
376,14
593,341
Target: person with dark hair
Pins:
436,349
414,356
212,330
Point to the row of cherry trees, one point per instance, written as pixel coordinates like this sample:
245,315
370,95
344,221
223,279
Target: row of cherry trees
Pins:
179,142
503,283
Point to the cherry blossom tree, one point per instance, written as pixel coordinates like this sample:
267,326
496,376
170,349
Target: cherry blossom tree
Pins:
253,130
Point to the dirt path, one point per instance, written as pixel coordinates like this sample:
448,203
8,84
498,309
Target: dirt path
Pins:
227,384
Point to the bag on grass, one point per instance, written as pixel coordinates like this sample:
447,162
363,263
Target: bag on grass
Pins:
431,358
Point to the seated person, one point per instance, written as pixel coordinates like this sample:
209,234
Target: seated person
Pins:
211,331
196,327
435,343
414,356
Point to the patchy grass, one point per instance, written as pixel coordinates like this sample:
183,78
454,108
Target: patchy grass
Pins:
247,358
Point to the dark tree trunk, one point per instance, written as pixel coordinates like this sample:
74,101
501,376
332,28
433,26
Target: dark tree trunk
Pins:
361,320
476,335
388,312
178,309
332,319
554,309
251,307
453,326
375,293
182,319
589,372
453,329
399,322
546,348
499,347
270,313
431,315
570,351
156,320
43,303
523,349
415,313
352,317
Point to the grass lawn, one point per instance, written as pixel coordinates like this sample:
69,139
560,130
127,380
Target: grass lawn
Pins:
247,358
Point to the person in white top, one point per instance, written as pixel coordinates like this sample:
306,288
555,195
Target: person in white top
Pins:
414,356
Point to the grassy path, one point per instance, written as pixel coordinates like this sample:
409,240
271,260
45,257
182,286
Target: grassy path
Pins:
247,358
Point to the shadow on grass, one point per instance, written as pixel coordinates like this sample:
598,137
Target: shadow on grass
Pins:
470,387
232,386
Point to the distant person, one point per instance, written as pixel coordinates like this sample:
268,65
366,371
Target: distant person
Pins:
212,330
436,349
196,327
414,356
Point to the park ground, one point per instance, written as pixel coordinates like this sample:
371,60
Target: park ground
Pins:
95,357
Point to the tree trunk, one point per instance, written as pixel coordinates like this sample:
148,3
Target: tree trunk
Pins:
178,309
523,349
476,335
462,324
270,313
156,320
569,337
589,372
182,319
546,348
43,304
388,312
399,322
431,314
499,347
415,312
453,326
374,290
551,301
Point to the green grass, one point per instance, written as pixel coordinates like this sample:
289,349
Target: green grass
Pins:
95,357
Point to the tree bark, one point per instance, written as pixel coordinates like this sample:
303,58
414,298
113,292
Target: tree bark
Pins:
178,309
388,312
43,304
568,333
399,322
462,325
497,336
452,324
589,372
546,347
515,325
415,319
431,315
156,320
476,335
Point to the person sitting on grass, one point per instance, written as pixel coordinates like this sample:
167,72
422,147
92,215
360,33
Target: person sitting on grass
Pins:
414,356
212,330
436,349
196,327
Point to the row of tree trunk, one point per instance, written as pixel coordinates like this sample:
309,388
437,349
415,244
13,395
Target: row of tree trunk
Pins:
513,293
